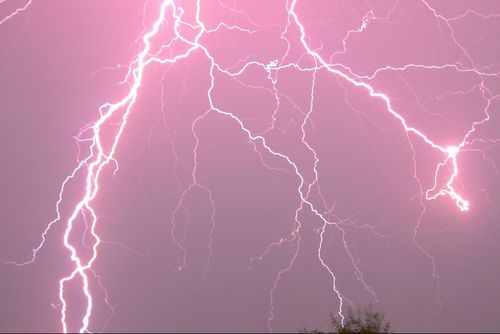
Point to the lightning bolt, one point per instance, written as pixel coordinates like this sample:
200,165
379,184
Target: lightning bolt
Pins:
103,150
15,12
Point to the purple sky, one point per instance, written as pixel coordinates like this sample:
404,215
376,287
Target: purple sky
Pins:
280,161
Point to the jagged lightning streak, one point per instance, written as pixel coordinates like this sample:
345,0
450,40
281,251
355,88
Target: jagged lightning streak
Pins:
96,161
450,152
94,165
14,13
99,157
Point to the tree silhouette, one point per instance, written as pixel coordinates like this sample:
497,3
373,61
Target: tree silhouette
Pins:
358,321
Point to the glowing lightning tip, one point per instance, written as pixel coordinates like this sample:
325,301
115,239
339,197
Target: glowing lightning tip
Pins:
452,150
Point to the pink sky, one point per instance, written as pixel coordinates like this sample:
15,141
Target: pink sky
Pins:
263,180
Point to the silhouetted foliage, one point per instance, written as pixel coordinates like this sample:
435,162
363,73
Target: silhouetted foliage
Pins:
358,321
